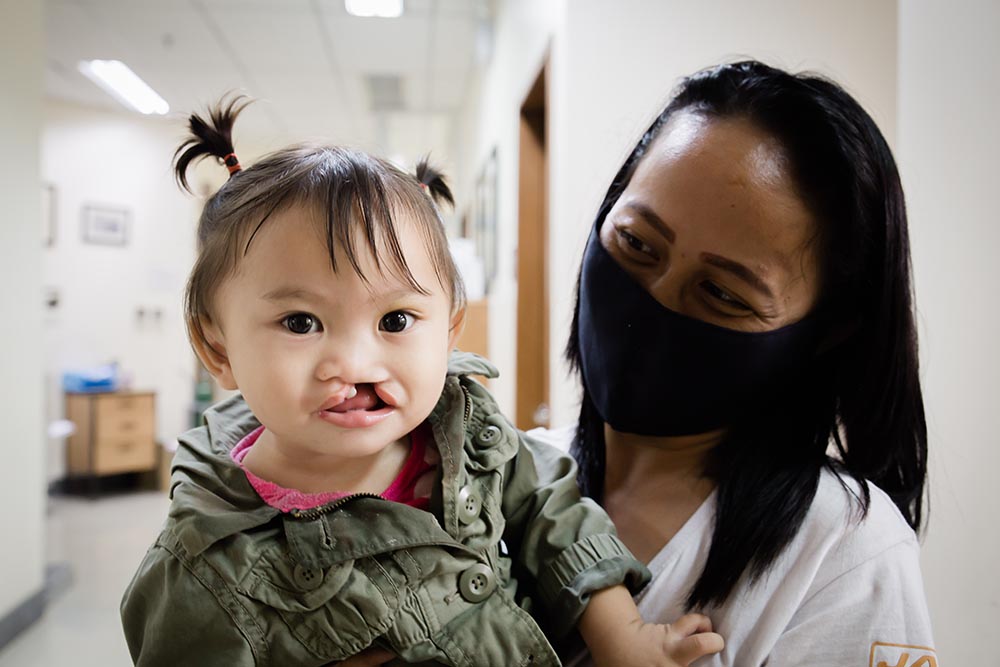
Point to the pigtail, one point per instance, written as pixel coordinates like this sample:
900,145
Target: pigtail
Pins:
212,138
432,179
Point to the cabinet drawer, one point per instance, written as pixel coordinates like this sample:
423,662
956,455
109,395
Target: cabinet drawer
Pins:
124,454
124,416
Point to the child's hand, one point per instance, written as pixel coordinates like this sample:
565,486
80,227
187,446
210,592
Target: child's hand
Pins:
617,636
642,644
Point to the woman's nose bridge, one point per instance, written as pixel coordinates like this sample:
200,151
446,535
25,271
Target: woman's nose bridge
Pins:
669,286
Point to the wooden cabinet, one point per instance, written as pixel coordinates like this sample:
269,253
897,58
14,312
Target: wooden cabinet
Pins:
475,334
114,433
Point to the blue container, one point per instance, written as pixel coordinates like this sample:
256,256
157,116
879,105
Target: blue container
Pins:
99,379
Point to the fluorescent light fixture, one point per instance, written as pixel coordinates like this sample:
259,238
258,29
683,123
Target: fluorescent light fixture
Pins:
124,85
385,9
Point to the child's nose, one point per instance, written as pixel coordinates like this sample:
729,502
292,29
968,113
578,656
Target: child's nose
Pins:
350,361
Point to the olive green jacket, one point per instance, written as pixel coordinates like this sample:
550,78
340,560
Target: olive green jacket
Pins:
232,581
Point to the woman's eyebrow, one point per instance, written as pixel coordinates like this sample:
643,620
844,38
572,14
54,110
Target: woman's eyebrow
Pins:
740,271
655,221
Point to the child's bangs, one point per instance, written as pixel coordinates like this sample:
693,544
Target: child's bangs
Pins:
364,215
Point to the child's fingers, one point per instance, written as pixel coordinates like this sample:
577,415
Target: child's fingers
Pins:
691,624
696,646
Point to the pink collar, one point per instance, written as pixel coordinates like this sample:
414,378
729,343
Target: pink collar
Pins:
401,490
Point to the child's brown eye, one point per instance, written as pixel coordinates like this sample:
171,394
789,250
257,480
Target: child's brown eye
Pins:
396,322
301,323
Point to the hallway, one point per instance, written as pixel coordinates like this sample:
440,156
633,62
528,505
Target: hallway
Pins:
95,546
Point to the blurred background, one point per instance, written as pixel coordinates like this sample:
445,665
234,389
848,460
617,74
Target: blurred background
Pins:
529,106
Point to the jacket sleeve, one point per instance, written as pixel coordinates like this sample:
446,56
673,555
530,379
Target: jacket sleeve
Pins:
565,543
171,618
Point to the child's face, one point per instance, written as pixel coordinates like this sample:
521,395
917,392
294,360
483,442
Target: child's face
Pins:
299,340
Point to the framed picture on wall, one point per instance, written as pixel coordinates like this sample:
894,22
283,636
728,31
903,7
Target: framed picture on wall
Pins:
485,217
105,225
49,213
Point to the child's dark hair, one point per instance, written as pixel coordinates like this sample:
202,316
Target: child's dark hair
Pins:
361,197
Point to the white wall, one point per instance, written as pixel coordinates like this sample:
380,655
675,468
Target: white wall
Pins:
22,492
121,160
524,30
949,93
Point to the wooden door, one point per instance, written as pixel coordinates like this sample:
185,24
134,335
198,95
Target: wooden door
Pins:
532,282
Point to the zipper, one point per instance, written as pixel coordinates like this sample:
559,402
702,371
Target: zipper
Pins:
316,512
468,408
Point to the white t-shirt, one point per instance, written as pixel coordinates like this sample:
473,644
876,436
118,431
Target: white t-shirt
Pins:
845,592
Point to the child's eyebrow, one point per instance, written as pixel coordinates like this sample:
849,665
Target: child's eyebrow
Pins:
290,293
398,293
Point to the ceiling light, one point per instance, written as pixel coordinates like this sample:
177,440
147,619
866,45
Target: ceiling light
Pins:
124,85
386,9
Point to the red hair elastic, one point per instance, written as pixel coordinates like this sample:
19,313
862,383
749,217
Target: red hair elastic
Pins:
232,163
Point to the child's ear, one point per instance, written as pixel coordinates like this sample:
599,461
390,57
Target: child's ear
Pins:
211,349
457,327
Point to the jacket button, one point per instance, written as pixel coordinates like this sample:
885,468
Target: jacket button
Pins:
307,578
489,435
469,505
477,583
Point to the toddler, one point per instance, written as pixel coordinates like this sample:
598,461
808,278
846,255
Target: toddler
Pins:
362,492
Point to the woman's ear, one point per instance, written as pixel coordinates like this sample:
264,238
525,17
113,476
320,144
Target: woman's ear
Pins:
457,327
209,344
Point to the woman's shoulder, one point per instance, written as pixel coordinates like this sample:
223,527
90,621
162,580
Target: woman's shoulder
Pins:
849,535
560,437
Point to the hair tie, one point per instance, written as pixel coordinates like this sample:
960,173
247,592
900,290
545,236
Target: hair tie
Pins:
232,163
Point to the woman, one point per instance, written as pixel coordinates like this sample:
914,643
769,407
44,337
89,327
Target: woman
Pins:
752,417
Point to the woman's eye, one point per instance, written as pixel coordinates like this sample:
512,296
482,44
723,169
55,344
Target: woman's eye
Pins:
720,295
635,243
301,323
396,321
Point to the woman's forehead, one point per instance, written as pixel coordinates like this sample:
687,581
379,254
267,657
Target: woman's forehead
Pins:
723,189
724,179
734,149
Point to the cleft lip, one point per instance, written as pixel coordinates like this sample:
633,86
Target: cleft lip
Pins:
347,392
385,395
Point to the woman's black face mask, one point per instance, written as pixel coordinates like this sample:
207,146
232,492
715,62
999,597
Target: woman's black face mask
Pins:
652,371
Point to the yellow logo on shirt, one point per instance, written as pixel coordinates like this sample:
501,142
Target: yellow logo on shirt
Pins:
901,655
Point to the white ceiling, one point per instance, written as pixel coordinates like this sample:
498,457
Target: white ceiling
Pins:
306,61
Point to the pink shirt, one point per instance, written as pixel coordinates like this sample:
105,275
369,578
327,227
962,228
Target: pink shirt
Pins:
411,487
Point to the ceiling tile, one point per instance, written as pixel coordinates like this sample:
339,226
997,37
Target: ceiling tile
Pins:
306,60
374,46
286,40
453,44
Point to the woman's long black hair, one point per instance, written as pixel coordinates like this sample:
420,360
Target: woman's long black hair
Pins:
862,392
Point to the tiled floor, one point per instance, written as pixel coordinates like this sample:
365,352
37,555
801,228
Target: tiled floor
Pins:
102,541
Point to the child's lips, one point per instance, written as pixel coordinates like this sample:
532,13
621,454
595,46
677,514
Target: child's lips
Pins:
364,398
365,407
